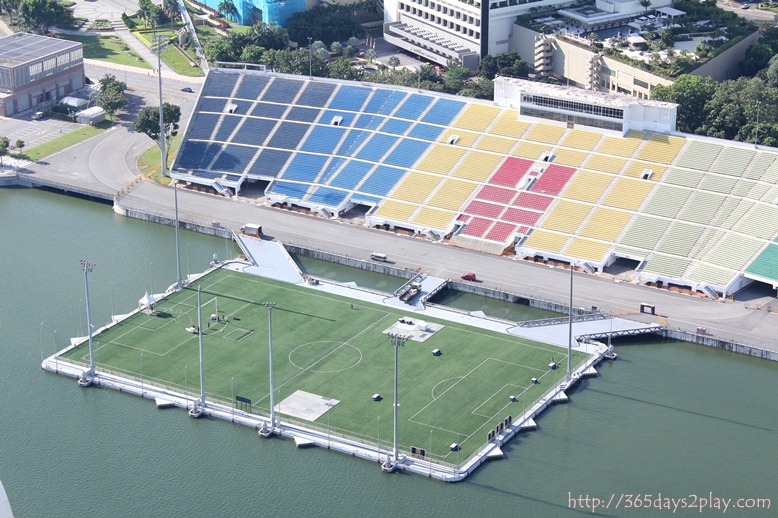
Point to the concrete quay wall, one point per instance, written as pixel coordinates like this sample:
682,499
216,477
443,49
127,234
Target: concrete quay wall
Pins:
171,222
725,345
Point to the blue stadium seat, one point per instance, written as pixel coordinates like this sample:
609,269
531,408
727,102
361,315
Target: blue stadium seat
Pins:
443,111
226,127
210,104
190,154
202,125
351,174
251,87
268,110
329,117
382,180
413,106
302,114
331,170
291,189
316,94
235,158
426,132
288,135
383,101
282,90
254,131
349,97
220,84
350,144
376,147
407,152
396,126
323,139
305,167
328,196
369,121
270,162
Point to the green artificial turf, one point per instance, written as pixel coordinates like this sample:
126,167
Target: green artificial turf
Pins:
337,348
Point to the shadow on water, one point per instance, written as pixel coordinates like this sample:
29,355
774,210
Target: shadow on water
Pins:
677,409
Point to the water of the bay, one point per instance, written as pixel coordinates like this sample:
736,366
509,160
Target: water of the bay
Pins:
666,418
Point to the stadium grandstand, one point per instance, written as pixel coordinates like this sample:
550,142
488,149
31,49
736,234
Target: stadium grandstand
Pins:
589,179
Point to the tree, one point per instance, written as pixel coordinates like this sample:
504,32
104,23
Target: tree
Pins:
147,122
19,145
757,58
39,15
227,9
252,54
691,93
370,55
170,9
344,68
645,4
111,96
219,49
3,148
455,76
144,11
394,62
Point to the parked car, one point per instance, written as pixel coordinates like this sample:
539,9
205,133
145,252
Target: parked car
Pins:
38,116
187,90
468,276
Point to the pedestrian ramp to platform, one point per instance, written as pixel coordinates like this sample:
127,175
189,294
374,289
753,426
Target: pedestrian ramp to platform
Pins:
557,331
269,259
427,287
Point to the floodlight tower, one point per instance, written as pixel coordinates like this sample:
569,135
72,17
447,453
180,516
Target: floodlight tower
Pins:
270,306
398,341
568,376
88,266
198,405
159,46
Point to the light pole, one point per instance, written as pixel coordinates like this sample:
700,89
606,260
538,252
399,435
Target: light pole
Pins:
186,388
270,306
112,313
429,453
398,341
141,374
756,134
87,267
568,376
232,387
310,61
54,334
159,46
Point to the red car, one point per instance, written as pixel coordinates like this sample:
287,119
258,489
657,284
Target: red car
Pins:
468,277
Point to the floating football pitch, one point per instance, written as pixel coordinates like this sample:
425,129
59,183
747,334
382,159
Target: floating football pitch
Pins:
331,354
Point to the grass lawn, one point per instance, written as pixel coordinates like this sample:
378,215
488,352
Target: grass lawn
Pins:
333,347
72,138
109,48
178,62
149,162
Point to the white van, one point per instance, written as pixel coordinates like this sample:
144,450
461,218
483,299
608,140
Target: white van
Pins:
377,256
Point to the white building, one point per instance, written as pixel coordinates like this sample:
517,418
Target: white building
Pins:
576,107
